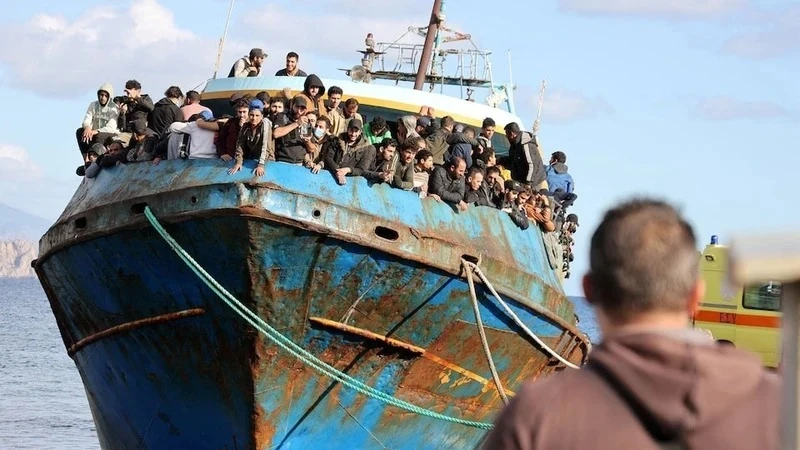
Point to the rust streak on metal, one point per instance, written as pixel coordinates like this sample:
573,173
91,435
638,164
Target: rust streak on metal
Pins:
129,326
367,334
405,346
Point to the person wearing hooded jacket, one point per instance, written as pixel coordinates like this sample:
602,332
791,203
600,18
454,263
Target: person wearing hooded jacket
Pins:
313,90
654,382
558,176
524,160
99,122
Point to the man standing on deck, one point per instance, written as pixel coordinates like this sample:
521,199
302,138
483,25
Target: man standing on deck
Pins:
524,159
654,382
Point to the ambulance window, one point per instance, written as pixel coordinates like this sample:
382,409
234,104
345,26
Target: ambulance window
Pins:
766,296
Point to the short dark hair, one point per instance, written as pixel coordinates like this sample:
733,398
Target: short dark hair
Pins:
292,55
264,97
492,169
559,156
335,90
487,153
488,122
324,119
241,103
194,96
133,84
173,92
350,102
422,155
473,171
455,161
388,142
447,121
512,127
642,258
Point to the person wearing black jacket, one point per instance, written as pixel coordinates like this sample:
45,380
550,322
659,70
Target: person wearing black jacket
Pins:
448,183
524,160
135,105
511,206
166,111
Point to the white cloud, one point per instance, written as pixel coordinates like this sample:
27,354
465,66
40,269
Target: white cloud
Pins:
16,165
728,108
327,38
60,58
777,34
561,106
676,9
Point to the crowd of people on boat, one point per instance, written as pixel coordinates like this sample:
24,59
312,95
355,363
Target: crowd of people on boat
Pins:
435,158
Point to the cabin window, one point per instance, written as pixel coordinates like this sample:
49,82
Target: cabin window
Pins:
766,297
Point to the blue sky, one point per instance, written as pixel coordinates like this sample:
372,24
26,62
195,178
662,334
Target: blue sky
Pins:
694,101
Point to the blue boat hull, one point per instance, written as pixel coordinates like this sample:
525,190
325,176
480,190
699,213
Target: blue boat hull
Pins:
166,364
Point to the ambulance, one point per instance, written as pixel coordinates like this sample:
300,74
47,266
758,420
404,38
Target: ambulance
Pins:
747,317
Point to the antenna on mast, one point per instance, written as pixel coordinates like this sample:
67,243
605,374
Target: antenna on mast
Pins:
222,40
537,122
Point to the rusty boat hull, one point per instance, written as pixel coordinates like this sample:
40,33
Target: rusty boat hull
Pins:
367,278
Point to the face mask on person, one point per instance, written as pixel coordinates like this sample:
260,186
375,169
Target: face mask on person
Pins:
318,133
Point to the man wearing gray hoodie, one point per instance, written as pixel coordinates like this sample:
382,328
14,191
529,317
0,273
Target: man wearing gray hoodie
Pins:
654,382
99,122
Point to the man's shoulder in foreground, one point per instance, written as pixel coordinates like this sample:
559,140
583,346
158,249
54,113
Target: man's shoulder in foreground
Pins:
700,393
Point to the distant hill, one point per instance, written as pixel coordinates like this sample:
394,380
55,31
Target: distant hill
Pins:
17,224
19,241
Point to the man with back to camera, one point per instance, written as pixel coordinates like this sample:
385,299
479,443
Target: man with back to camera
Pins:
653,382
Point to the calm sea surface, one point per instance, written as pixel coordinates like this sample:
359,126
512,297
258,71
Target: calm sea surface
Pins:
42,401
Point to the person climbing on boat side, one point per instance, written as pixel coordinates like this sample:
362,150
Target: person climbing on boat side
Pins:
437,142
313,90
654,381
524,160
99,123
474,195
447,183
349,155
404,173
166,111
289,131
383,167
334,110
314,158
248,65
135,105
376,130
291,69
255,140
192,106
560,184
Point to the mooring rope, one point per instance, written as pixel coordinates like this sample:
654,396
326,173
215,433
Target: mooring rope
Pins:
486,351
288,345
516,319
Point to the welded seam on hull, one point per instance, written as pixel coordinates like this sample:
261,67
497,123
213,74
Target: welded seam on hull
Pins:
133,325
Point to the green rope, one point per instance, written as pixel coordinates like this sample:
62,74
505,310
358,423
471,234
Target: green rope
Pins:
286,344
